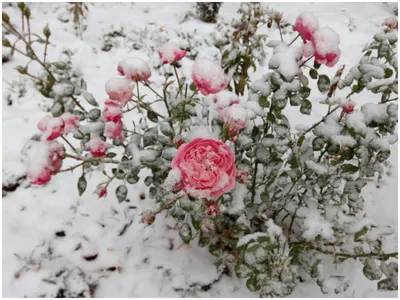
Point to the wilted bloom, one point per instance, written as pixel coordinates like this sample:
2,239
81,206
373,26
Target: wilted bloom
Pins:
235,117
391,22
178,141
242,176
209,77
41,178
135,69
148,217
171,52
306,24
97,147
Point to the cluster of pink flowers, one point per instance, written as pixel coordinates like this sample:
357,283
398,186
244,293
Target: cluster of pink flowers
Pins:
52,161
54,127
321,42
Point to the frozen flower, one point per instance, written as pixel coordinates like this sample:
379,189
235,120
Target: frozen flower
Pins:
71,122
207,168
113,130
306,24
97,147
208,76
171,52
178,141
51,127
348,107
101,191
235,117
135,69
224,99
41,178
242,176
148,217
212,208
308,49
112,112
391,22
119,89
326,44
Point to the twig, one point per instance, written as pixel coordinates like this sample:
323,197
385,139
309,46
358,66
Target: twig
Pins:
73,148
294,39
322,120
177,78
304,62
71,168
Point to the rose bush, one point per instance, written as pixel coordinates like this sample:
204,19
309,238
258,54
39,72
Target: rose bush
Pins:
268,200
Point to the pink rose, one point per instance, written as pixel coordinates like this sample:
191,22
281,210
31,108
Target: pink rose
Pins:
97,147
326,44
308,49
224,99
209,77
42,178
112,112
391,22
171,52
71,122
135,69
235,117
119,89
114,130
348,107
306,24
51,127
207,168
101,191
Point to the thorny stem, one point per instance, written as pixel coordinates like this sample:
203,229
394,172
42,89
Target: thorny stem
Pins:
71,168
304,62
294,39
169,204
177,78
73,148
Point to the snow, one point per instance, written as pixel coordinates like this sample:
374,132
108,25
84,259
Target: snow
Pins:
306,24
145,265
285,59
326,42
209,76
224,99
118,87
134,68
174,176
170,52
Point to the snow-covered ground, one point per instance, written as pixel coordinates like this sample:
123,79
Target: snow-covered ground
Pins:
48,229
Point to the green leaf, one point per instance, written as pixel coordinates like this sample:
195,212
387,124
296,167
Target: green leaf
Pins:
303,80
313,73
186,233
111,154
360,233
318,143
316,65
270,117
94,114
82,184
242,271
252,284
323,83
57,109
121,192
388,73
349,168
132,178
204,241
89,98
306,107
300,141
49,281
152,116
196,220
263,101
305,92
271,247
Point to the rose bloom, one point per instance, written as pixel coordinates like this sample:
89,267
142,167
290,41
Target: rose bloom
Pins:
114,130
101,191
42,178
235,117
212,208
348,107
171,52
112,112
119,89
97,147
135,69
209,77
326,44
71,122
306,24
51,127
207,168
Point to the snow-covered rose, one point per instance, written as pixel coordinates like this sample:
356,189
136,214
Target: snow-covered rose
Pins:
171,52
119,89
308,49
235,117
326,44
208,76
101,191
97,147
41,178
306,24
51,127
391,22
71,122
224,99
135,69
207,168
242,176
348,107
112,112
113,130
212,208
